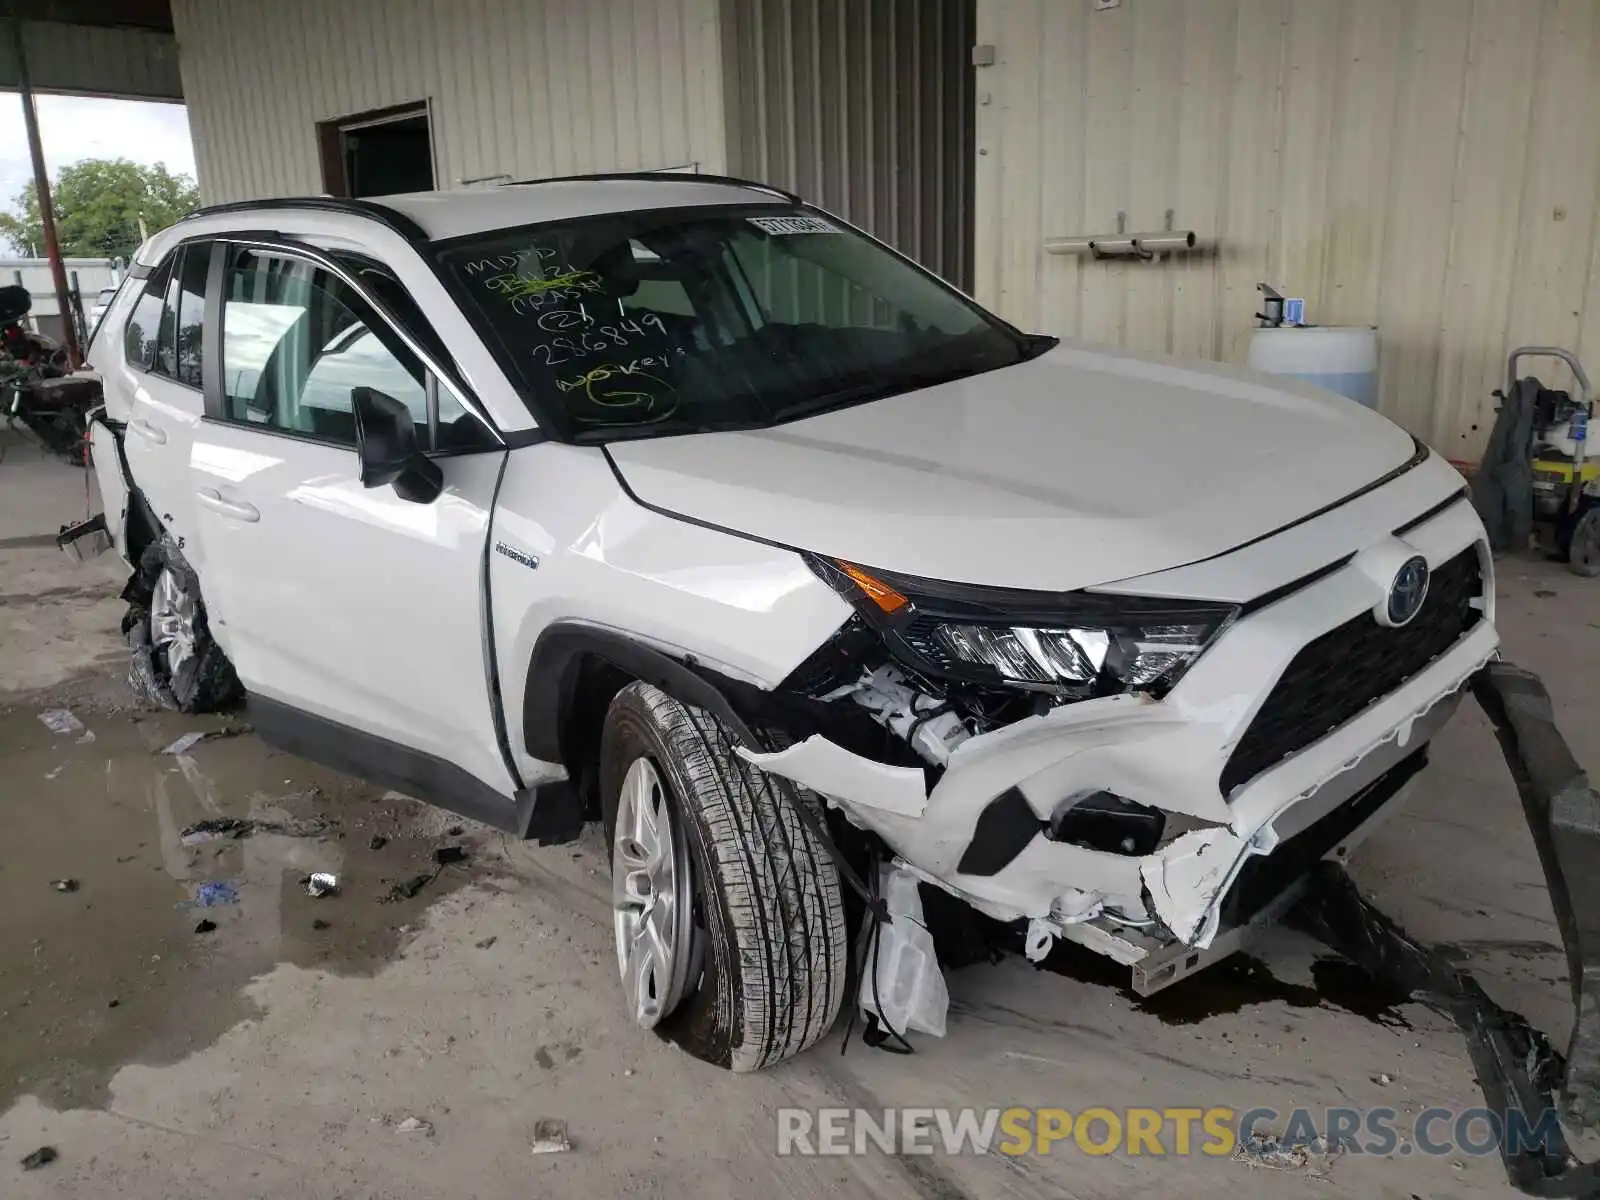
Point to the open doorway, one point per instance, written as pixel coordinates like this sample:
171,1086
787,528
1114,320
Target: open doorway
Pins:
378,153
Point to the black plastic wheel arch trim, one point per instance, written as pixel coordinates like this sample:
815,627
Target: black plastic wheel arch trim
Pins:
551,677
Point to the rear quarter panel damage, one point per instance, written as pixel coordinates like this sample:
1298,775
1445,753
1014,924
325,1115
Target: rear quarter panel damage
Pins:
108,474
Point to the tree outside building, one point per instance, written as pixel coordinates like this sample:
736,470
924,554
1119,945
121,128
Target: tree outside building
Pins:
99,205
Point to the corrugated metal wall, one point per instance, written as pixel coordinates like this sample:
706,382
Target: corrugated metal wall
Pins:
521,87
1426,166
89,61
863,107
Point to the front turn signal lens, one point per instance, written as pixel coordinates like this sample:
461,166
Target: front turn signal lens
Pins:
880,593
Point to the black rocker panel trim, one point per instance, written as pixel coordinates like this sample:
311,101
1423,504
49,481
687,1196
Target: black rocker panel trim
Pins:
367,756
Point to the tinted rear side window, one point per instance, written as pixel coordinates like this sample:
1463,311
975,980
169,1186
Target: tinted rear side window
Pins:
143,330
190,319
166,359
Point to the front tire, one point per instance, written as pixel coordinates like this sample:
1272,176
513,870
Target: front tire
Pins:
757,972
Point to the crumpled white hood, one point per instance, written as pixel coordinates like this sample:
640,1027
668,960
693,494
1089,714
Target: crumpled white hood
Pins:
1082,467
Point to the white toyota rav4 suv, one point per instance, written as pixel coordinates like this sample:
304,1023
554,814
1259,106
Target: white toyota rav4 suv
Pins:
678,503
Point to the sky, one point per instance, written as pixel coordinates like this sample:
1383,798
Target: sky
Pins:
74,128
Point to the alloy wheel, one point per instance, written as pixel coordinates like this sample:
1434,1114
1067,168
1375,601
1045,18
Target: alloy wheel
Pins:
172,621
652,897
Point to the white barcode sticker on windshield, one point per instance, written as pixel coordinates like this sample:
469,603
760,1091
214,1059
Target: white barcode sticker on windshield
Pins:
787,225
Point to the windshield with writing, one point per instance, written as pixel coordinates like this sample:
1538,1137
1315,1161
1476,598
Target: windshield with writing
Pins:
654,323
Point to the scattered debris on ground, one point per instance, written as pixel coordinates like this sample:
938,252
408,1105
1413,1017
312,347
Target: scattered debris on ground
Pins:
206,925
1383,1078
550,1137
215,828
42,1157
485,943
407,888
319,923
190,740
214,894
415,1125
64,885
321,883
57,771
1315,1157
61,720
377,842
187,742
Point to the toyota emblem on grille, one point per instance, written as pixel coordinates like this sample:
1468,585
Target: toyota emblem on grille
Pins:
1409,589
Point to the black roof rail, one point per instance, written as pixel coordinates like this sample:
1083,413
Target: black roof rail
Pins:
663,177
399,222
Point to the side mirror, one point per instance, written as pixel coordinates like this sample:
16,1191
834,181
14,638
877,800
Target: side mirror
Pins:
386,443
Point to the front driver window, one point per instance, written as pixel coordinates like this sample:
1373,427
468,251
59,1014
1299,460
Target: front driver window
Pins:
293,345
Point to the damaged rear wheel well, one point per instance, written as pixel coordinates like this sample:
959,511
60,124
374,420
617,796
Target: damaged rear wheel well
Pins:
143,528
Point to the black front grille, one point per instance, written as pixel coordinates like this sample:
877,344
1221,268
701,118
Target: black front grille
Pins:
1335,677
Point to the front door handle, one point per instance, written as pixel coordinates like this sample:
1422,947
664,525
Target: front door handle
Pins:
148,432
236,509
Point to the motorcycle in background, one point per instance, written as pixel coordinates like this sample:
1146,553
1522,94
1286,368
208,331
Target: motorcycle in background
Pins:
35,387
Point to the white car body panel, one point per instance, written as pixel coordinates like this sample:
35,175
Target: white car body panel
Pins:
162,419
1071,470
749,611
349,602
1085,468
1274,562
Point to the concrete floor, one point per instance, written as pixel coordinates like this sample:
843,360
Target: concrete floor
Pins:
277,1054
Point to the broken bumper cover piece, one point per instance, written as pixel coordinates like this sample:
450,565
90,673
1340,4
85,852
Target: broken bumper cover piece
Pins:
981,832
1523,1076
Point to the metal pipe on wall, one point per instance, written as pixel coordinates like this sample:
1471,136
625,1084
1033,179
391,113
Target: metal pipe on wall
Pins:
1125,245
41,184
1165,243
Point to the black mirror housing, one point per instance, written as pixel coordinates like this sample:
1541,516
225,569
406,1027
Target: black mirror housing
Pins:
386,444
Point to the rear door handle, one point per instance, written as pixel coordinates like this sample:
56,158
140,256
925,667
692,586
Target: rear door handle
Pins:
236,509
148,432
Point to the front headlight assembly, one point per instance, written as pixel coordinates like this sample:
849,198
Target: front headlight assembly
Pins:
1073,645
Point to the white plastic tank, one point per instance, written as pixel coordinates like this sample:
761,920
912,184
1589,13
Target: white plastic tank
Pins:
1343,359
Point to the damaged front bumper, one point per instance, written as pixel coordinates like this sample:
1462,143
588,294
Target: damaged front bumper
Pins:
1097,897
984,832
